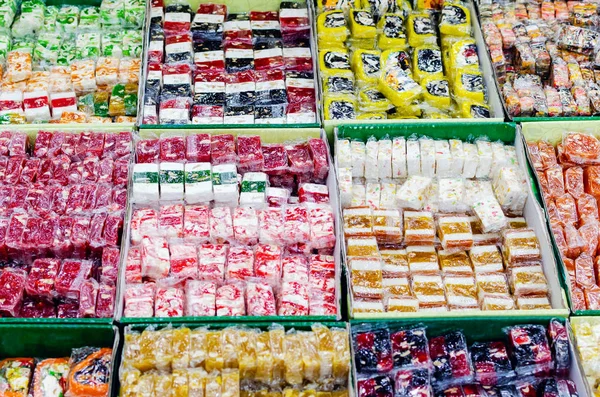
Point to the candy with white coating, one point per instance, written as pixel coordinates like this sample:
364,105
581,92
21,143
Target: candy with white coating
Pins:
399,158
413,192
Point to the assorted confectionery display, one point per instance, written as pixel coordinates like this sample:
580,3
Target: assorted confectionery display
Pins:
236,361
586,334
569,178
545,55
531,360
86,373
437,225
218,67
62,202
241,228
384,60
70,64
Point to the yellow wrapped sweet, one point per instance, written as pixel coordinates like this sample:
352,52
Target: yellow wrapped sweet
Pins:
340,107
455,20
147,354
129,380
340,393
391,59
212,387
469,85
180,383
337,4
335,62
247,354
198,347
310,356
436,92
371,116
277,340
427,62
362,25
398,86
163,349
341,355
181,348
131,351
293,359
338,85
308,393
163,384
474,110
196,381
230,383
264,358
148,383
391,32
331,29
229,347
325,350
412,110
287,392
462,54
434,113
371,100
366,66
214,352
420,30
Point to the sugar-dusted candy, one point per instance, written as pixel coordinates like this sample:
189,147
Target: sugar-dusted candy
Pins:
419,227
428,289
359,195
566,209
486,259
491,284
267,261
521,245
372,350
362,246
171,179
139,300
461,292
536,302
397,287
240,263
587,208
422,259
322,227
170,220
455,262
155,257
169,302
345,186
224,181
412,193
221,224
245,225
200,298
497,302
212,259
530,349
184,260
471,166
528,280
455,232
394,262
373,194
260,299
366,277
556,184
296,225
313,193
270,223
145,182
387,226
196,223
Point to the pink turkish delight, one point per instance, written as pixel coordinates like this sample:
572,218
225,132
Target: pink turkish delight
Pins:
59,199
68,310
29,171
275,159
120,172
14,166
184,260
119,198
18,144
148,151
103,197
133,266
139,300
62,245
198,148
80,235
170,220
60,168
294,299
230,300
200,298
69,145
71,277
250,154
4,142
296,225
16,228
322,267
322,303
240,263
270,221
105,303
104,170
295,268
322,228
267,261
96,238
11,294
172,148
169,302
196,223
222,149
299,159
212,261
89,173
37,308
313,193
260,299
277,197
245,225
112,228
110,265
87,298
144,223
41,277
155,257
221,225
44,172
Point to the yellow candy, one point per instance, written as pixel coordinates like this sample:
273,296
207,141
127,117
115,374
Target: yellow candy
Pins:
428,4
331,28
362,25
371,116
469,109
340,107
427,62
337,4
420,30
436,92
462,54
391,59
399,87
456,20
408,111
338,85
469,85
335,62
366,66
371,100
392,34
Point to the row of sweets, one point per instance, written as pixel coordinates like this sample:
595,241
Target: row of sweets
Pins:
217,67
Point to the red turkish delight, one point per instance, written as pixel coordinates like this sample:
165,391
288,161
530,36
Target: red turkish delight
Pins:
260,299
122,146
245,225
95,147
222,149
313,193
70,144
29,240
60,166
250,154
16,227
196,223
76,199
37,308
230,300
105,303
62,245
294,299
3,163
55,147
5,137
240,263
322,228
112,228
44,172
47,232
87,298
184,260
285,181
172,148
155,257
295,268
200,298
270,221
3,228
96,238
133,266
144,222
119,198
13,169
60,198
198,148
18,144
71,276
110,265
211,261
170,220
11,293
80,235
103,197
29,171
89,196
68,310
90,172
297,228
139,300
275,159
168,302
104,170
267,261
148,151
221,225
299,159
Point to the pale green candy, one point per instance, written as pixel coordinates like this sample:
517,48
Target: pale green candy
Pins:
112,44
5,45
88,46
31,19
68,19
51,12
89,19
66,53
132,44
24,45
135,11
112,12
46,49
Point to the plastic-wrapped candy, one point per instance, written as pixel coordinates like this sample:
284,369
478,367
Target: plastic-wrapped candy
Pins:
177,80
376,385
14,280
530,349
19,66
139,300
559,343
169,302
492,363
373,350
200,298
230,300
451,361
260,299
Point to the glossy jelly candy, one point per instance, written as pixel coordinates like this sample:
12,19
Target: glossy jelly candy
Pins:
530,350
373,350
451,361
559,343
410,348
491,362
376,386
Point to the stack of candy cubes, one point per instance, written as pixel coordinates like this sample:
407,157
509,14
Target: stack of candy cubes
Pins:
62,205
533,360
237,361
70,64
569,177
437,225
237,232
545,56
217,67
386,61
588,347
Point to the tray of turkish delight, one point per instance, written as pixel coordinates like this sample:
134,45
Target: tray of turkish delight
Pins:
224,226
442,222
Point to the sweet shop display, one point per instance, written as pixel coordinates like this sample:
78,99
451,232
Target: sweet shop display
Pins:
567,178
70,64
586,336
408,361
545,56
386,60
86,373
63,200
249,229
237,361
436,226
213,66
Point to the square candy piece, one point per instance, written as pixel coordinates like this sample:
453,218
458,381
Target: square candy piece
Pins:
455,232
486,259
521,245
403,304
366,276
497,302
358,221
422,259
455,262
387,226
528,280
397,286
461,292
362,246
395,262
419,227
491,284
429,289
